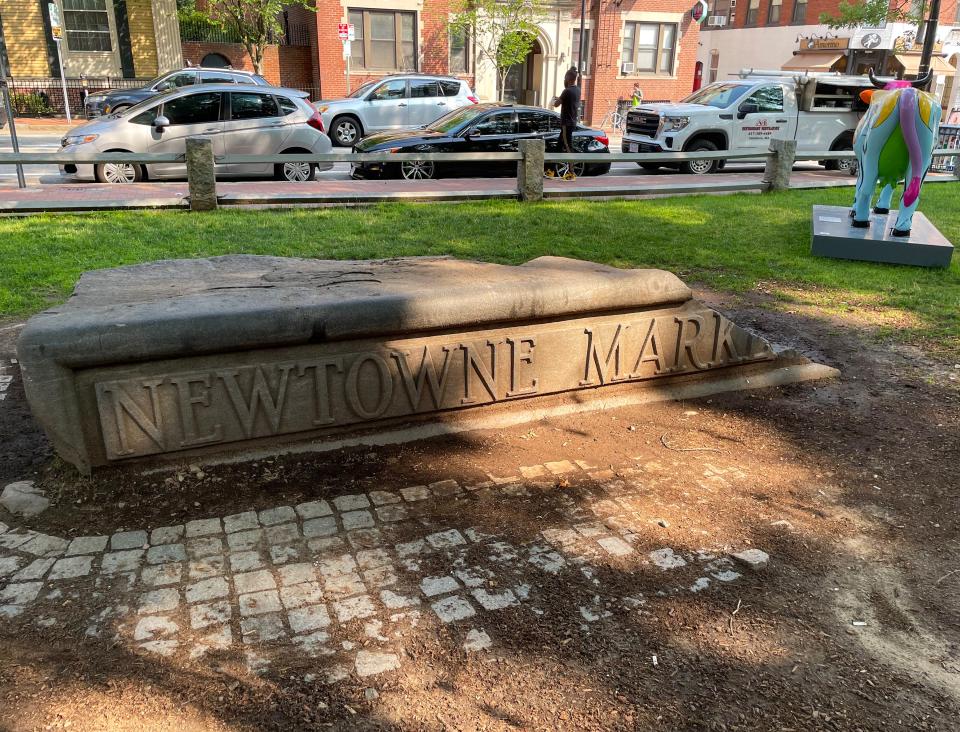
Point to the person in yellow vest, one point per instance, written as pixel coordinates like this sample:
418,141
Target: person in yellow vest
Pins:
637,96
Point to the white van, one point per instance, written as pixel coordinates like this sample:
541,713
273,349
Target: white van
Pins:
819,111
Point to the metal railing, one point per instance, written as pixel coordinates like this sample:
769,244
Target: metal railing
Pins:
43,96
530,159
199,30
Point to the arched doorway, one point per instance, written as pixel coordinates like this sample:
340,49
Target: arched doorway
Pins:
525,80
215,61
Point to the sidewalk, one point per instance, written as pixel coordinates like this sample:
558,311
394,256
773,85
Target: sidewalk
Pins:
43,125
95,196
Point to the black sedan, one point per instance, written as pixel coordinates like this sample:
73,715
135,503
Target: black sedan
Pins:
478,128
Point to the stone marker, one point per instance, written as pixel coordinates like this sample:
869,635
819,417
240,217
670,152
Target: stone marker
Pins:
203,355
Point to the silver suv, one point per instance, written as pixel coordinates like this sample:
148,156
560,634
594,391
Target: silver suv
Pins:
396,102
240,119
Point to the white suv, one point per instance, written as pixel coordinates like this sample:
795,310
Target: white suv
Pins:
396,102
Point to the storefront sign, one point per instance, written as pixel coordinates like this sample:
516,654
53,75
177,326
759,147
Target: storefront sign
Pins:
824,44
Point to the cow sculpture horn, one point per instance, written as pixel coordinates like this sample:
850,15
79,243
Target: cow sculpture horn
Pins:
879,83
922,82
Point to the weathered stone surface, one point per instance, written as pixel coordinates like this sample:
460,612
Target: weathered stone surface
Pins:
201,177
23,498
530,170
780,160
187,355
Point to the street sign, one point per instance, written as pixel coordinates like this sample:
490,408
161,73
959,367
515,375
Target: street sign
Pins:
56,27
351,33
343,31
699,11
346,49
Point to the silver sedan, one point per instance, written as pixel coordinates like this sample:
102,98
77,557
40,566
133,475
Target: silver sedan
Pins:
239,119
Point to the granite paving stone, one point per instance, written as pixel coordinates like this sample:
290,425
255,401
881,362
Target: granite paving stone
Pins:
254,581
20,593
154,626
282,534
357,520
34,571
353,502
9,565
245,561
320,527
42,545
416,493
303,594
202,527
294,574
204,546
446,539
71,567
124,561
167,535
278,515
244,539
314,509
165,553
159,601
310,617
258,603
371,663
207,614
207,567
208,589
128,540
241,522
353,608
262,628
162,574
392,514
453,608
382,498
87,545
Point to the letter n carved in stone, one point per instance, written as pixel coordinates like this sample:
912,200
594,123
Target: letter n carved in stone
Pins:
129,418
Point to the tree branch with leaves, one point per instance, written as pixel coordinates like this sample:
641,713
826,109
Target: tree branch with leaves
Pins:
502,31
257,23
871,13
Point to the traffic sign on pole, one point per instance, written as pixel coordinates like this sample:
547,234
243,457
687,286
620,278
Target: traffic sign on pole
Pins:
343,30
56,31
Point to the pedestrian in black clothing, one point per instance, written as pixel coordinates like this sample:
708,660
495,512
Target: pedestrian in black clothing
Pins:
569,103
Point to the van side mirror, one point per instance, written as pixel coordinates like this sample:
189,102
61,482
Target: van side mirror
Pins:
160,122
746,108
164,85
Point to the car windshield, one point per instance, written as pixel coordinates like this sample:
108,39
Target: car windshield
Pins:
361,90
718,95
456,120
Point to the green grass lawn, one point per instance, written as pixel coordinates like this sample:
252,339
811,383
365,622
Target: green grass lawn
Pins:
735,243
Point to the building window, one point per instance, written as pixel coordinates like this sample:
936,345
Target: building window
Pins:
800,11
753,12
384,40
773,12
459,51
650,47
575,49
87,25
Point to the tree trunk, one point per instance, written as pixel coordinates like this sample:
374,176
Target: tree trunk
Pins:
502,83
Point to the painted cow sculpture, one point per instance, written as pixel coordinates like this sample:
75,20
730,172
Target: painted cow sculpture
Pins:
894,141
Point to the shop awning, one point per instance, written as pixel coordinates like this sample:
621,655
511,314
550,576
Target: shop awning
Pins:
911,64
812,61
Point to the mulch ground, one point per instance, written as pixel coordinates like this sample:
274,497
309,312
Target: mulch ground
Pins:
851,486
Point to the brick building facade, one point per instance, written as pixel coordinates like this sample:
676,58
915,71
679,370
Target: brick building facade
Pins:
657,37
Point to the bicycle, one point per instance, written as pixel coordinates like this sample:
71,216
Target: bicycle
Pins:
615,118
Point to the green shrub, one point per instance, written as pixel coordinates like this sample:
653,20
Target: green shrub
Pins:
32,105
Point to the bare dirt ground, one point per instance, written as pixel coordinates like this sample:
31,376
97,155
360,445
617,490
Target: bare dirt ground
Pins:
852,487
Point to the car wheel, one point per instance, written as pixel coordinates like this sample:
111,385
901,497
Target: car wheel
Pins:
844,165
700,167
345,131
295,171
417,169
118,173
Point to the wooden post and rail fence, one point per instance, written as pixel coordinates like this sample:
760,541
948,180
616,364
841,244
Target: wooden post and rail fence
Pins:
531,159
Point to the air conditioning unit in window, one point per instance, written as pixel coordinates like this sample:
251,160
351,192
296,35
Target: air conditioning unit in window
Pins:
716,21
626,68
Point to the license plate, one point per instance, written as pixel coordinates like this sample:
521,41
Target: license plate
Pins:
634,147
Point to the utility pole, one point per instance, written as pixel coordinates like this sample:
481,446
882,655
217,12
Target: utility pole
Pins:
8,107
929,39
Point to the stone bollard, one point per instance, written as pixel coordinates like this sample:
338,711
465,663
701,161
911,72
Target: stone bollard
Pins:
200,174
956,167
530,170
780,159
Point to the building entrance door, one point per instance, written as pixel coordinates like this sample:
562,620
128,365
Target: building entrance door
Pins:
523,80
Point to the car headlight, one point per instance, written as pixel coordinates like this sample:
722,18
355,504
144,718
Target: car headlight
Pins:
671,124
78,139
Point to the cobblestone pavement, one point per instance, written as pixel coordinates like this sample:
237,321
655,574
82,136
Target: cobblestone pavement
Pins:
345,582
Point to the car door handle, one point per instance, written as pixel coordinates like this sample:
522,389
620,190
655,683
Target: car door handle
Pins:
212,129
402,104
781,121
441,104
